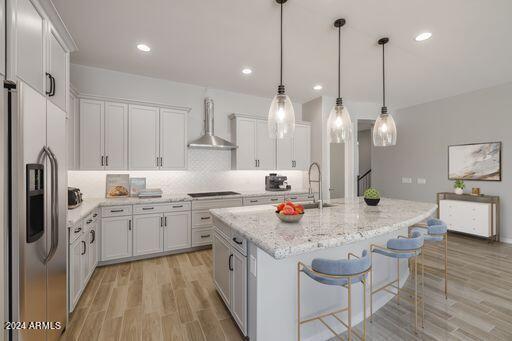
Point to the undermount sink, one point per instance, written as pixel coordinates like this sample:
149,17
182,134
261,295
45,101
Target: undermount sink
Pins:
316,205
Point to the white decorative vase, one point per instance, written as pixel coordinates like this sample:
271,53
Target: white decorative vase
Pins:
459,191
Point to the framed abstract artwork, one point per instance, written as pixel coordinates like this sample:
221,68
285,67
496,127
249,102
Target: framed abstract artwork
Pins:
475,161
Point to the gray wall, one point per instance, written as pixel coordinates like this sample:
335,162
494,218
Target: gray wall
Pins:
424,133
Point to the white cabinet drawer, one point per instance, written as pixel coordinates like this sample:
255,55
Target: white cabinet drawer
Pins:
201,218
467,217
116,211
266,200
75,232
301,197
239,242
202,236
217,203
161,208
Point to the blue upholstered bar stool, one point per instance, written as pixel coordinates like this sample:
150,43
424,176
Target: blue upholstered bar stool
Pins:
436,231
343,273
401,248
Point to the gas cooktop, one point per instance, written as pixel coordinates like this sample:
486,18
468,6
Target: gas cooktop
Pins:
212,194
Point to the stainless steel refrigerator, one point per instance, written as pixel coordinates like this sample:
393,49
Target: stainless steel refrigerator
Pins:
38,192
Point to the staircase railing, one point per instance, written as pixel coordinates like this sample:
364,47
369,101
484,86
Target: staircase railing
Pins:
364,182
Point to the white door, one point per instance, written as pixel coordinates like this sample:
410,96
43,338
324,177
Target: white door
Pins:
91,135
239,290
246,141
301,147
116,136
265,147
75,280
177,231
143,139
173,140
57,67
222,267
116,238
30,37
147,234
285,153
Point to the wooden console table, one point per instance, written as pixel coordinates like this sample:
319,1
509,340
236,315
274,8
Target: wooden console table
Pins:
486,199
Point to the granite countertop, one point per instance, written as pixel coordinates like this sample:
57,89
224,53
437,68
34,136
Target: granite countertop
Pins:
89,204
348,221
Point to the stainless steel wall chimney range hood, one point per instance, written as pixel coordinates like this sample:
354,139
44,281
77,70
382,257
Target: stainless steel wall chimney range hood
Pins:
209,140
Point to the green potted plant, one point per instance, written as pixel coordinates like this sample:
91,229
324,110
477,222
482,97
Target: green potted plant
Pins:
371,197
459,187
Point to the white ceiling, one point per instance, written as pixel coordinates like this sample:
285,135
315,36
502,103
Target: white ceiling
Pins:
208,43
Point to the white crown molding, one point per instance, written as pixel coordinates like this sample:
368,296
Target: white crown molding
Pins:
58,24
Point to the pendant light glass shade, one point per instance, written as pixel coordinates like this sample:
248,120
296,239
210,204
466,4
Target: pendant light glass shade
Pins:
281,118
384,131
339,125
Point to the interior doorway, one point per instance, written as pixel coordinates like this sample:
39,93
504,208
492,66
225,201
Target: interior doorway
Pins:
364,151
337,170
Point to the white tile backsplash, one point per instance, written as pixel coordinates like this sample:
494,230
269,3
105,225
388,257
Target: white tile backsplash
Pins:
208,170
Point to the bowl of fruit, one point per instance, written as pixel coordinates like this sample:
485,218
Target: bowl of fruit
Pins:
289,212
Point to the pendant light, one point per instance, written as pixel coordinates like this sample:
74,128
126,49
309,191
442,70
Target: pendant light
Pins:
281,117
339,124
384,130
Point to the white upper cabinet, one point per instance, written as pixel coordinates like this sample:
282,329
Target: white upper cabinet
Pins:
91,134
173,139
255,149
265,146
116,136
57,70
294,153
30,45
143,145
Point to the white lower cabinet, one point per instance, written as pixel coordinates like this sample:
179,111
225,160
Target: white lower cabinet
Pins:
230,278
116,237
147,234
177,230
75,274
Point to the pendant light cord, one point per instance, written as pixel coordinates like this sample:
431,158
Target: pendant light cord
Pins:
281,73
383,78
339,62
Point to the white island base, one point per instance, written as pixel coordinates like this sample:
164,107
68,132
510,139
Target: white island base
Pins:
272,291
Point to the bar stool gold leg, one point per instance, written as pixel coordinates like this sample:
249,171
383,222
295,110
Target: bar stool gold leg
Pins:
446,266
349,309
398,280
364,310
422,290
416,293
371,288
298,301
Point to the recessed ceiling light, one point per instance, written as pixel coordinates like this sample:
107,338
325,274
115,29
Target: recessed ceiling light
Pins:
423,36
143,47
318,87
246,71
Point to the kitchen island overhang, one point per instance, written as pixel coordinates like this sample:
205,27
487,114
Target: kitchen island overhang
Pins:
274,249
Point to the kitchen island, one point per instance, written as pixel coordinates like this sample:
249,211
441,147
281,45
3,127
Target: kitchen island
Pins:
261,255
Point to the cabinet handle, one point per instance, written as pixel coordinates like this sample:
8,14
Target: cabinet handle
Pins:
177,206
161,221
294,198
258,163
161,161
205,236
205,218
230,260
147,208
51,92
88,221
116,211
165,221
93,235
95,215
254,200
84,248
236,241
77,230
53,86
106,160
129,225
274,199
102,160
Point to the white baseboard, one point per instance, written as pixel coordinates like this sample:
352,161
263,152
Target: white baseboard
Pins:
506,240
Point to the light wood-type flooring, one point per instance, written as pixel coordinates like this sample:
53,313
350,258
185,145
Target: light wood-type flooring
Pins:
173,298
